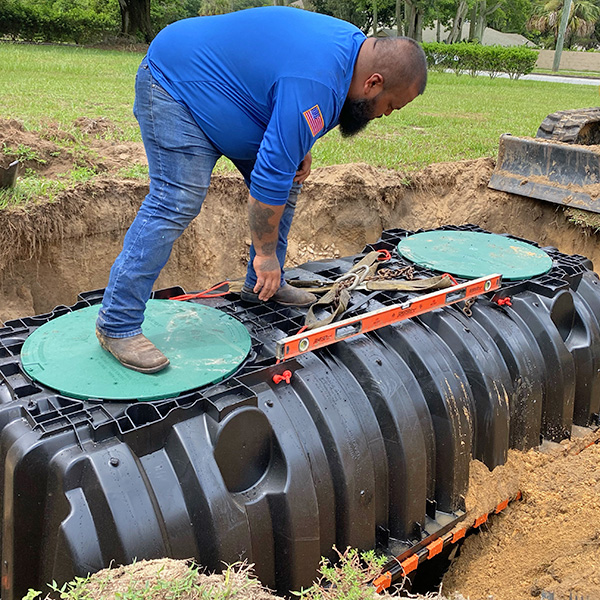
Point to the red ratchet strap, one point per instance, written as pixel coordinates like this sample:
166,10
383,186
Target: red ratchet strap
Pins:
211,292
451,278
385,255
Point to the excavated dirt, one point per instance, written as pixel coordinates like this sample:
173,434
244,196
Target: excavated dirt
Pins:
50,251
548,542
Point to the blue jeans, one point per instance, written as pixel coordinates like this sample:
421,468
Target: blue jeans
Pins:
180,159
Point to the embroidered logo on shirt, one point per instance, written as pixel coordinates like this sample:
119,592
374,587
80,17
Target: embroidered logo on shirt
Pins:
314,118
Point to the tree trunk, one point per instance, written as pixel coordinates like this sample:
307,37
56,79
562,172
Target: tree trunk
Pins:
473,22
461,13
413,20
278,3
564,21
438,31
399,28
407,16
481,20
419,26
375,18
135,18
483,15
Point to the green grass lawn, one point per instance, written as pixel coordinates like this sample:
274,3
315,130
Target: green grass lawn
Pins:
61,83
457,117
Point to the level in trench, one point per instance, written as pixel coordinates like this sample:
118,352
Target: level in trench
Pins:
301,343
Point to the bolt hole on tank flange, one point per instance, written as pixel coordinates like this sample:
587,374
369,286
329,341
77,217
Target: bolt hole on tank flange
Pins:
365,443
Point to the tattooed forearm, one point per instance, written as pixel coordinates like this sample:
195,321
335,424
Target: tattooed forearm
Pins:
268,248
259,216
264,226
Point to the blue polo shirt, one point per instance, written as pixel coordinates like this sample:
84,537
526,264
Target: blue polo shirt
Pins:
263,83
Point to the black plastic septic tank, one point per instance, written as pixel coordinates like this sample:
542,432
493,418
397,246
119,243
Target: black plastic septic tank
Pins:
368,445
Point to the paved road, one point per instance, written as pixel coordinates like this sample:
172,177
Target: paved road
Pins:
560,79
539,77
554,78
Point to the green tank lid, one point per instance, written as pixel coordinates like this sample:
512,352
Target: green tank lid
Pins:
203,344
471,254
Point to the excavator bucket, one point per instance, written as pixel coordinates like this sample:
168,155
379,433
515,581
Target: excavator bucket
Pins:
557,165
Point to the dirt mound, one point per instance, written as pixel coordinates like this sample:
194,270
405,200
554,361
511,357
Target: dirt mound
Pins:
550,541
100,126
163,578
34,151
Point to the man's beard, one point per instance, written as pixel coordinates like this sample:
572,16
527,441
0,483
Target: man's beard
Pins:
355,115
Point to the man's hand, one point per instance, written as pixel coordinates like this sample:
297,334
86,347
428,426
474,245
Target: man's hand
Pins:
264,228
304,170
268,276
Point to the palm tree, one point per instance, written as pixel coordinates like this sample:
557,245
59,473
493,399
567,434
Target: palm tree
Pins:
582,20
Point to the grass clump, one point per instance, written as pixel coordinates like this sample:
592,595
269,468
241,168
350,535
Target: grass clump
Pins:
80,174
584,218
160,579
349,578
22,153
31,189
135,171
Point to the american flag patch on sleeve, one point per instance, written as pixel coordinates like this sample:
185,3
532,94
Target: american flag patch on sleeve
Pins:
314,118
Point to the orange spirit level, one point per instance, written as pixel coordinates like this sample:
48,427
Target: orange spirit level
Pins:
301,343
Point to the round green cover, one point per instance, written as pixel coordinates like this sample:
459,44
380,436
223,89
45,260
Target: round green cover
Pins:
203,344
471,254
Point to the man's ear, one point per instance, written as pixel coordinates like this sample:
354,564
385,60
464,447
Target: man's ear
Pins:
373,85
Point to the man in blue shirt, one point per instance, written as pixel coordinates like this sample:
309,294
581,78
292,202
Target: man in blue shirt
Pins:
259,86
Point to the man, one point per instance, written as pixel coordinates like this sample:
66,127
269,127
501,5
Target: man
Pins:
259,86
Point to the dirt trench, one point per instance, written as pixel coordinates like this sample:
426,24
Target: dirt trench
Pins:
49,252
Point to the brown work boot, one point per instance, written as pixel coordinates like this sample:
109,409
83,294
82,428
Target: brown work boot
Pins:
287,294
136,352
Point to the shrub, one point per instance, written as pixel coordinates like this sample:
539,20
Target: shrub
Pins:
519,61
40,22
494,60
473,58
438,56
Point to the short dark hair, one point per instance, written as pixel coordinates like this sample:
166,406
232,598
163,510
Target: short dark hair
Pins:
402,61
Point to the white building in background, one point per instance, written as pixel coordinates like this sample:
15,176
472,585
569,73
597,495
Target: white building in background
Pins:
491,37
